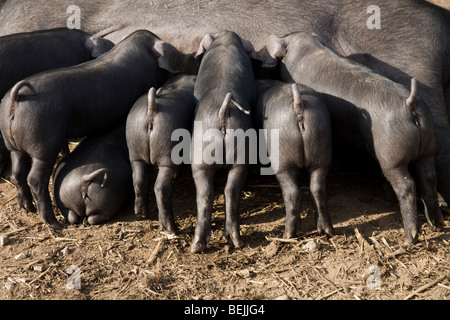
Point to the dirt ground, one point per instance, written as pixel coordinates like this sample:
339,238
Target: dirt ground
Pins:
129,259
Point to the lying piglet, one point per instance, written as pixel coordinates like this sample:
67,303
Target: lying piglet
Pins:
302,118
94,181
40,113
150,125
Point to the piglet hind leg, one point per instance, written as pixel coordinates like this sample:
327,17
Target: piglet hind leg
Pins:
163,192
288,180
98,217
425,176
405,189
318,186
70,216
233,189
38,180
21,164
141,184
442,162
204,185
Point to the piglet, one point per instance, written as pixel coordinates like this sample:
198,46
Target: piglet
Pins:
152,121
304,141
225,91
94,181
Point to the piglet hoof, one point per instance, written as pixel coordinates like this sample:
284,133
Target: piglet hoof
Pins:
436,225
55,225
328,230
445,210
439,222
140,216
27,205
51,221
170,230
411,237
201,238
433,227
235,240
198,245
291,234
292,228
167,225
436,221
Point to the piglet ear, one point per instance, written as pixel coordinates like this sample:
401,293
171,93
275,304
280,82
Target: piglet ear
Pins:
276,49
205,44
255,58
167,56
87,179
317,37
248,47
98,46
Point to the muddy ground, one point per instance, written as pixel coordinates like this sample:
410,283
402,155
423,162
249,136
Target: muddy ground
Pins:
130,259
